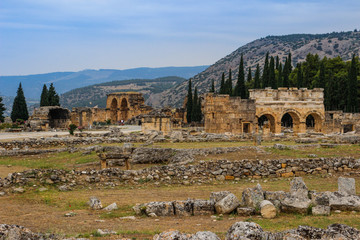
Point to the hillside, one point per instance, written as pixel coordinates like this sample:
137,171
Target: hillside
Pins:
66,81
342,44
95,95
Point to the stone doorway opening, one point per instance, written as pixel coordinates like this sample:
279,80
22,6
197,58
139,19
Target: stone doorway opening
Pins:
113,109
290,122
58,118
313,122
348,128
124,109
266,123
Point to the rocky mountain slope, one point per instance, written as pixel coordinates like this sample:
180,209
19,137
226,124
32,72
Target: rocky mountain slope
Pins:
331,45
95,95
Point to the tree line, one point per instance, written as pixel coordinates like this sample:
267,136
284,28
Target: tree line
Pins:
49,97
193,105
339,79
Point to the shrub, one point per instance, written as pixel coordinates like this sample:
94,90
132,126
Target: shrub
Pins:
72,128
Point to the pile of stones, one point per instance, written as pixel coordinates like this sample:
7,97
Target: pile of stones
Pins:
267,203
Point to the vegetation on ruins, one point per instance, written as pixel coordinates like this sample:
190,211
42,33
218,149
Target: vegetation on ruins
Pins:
2,109
19,109
339,79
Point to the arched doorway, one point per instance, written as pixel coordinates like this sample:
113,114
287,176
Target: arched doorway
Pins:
124,109
113,110
266,123
290,122
314,122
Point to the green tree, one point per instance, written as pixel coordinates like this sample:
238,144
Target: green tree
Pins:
265,76
194,110
240,84
257,77
321,80
53,97
352,104
277,63
189,103
228,84
212,89
299,76
280,76
2,109
272,79
19,109
222,84
44,98
199,112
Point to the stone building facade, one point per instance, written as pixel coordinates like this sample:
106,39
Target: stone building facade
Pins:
157,121
266,110
340,122
45,118
123,106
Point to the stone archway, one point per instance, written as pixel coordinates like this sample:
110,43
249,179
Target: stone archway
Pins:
314,122
266,122
290,120
58,117
124,109
114,110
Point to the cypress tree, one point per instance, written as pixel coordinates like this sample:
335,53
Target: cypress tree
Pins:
194,113
321,82
199,113
228,84
277,62
240,84
352,104
289,63
299,76
265,76
286,74
272,79
212,89
19,109
44,99
280,76
222,84
2,109
257,77
53,97
189,103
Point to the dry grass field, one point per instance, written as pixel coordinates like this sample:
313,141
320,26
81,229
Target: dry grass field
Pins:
44,211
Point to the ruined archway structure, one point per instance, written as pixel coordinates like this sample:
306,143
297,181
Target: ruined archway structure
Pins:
125,105
264,110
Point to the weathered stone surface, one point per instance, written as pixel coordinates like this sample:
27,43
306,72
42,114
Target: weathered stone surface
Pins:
64,188
217,196
295,205
227,204
19,190
245,211
95,203
267,209
252,197
338,201
183,208
203,207
170,235
320,210
320,198
346,231
15,232
244,230
159,208
298,188
104,232
204,236
292,236
111,207
346,186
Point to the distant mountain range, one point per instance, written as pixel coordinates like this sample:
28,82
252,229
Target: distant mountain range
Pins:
66,81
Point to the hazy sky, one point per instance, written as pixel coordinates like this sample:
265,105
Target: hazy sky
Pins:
38,36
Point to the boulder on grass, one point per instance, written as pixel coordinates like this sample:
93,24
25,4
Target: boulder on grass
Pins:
217,196
251,197
295,205
204,236
183,208
159,209
320,210
267,209
245,211
298,188
227,204
337,201
170,235
346,186
244,230
203,207
95,203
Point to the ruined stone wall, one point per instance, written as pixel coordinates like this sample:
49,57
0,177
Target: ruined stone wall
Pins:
340,122
205,171
160,123
85,116
223,113
123,106
45,118
298,103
